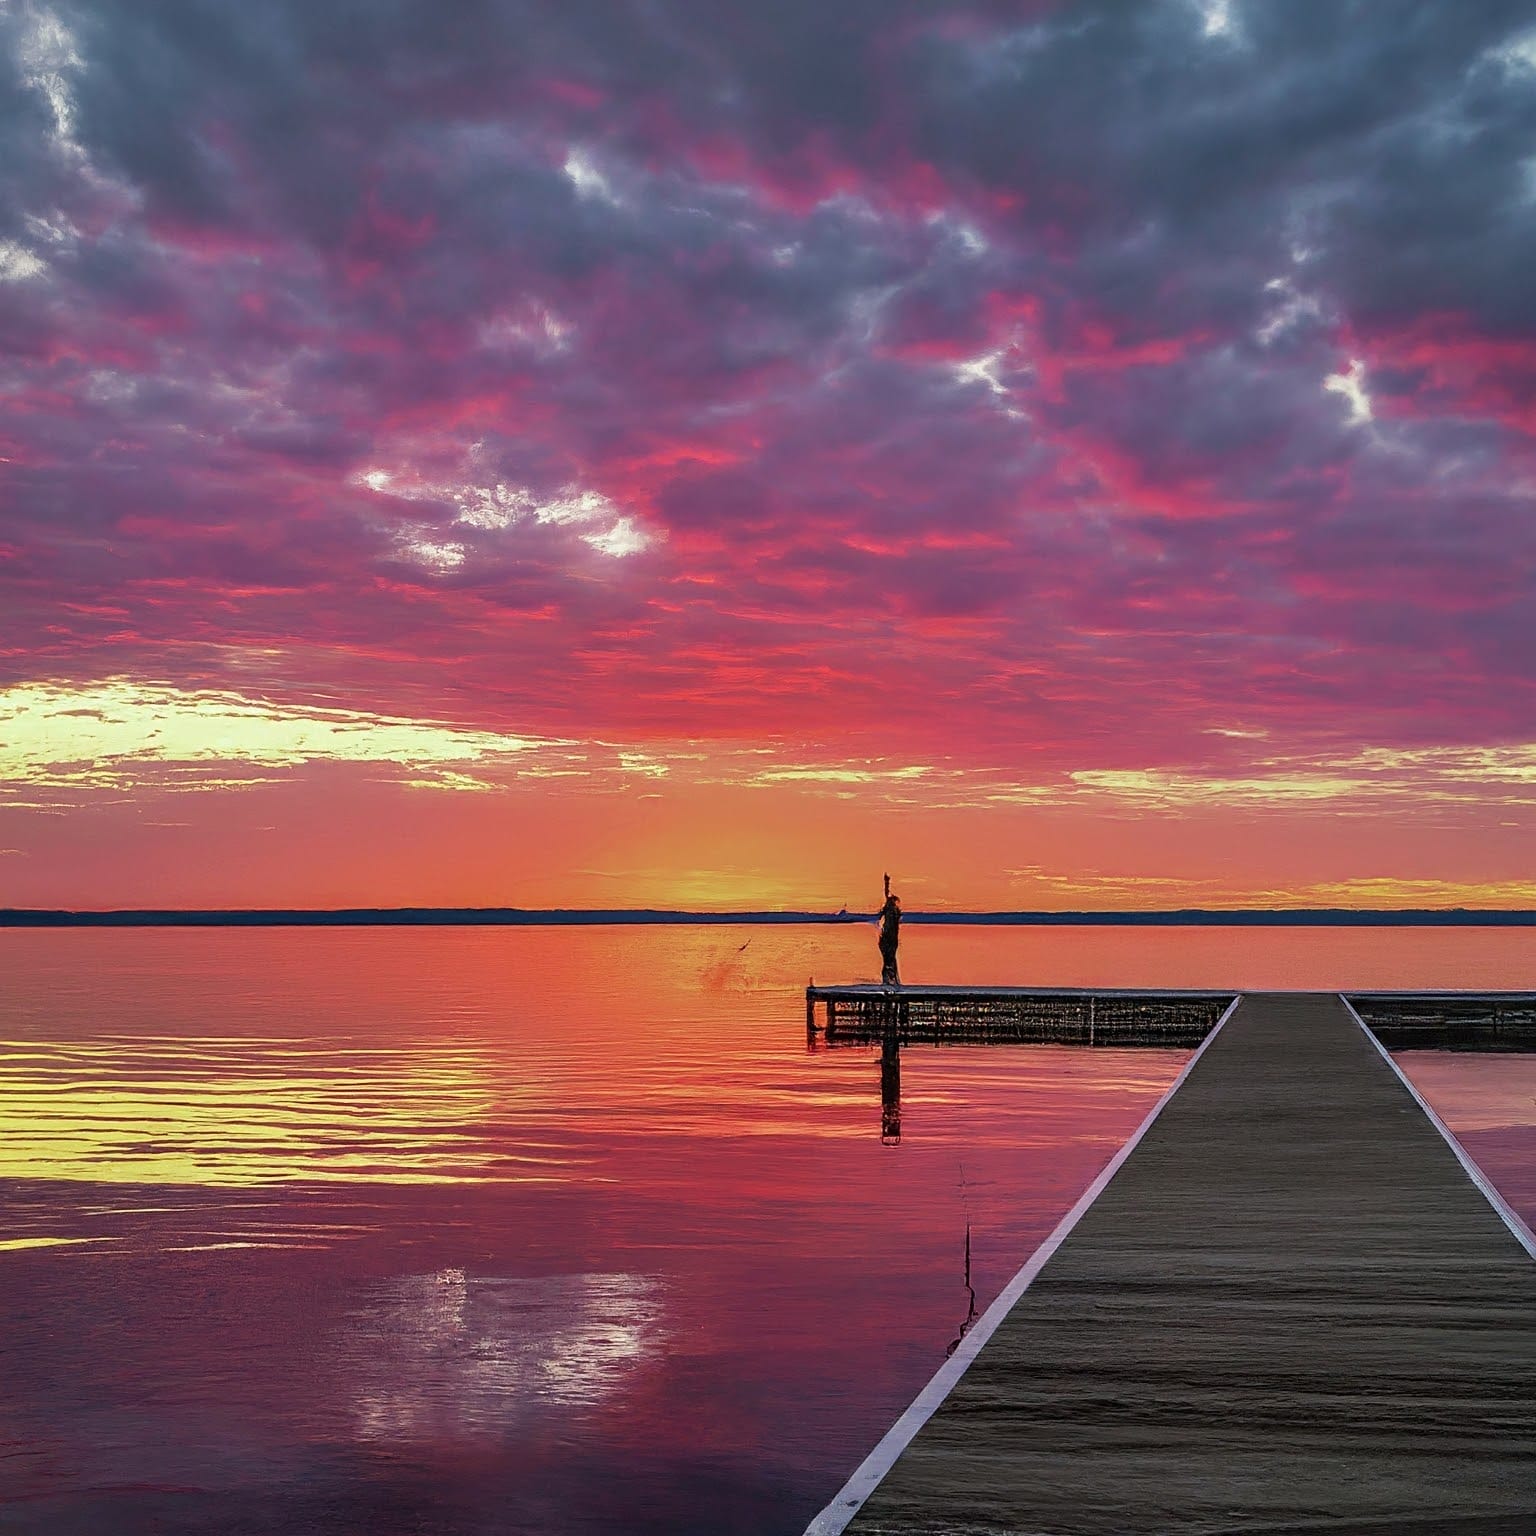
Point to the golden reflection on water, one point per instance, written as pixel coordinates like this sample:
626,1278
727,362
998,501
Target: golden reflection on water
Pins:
225,1111
16,1244
546,1056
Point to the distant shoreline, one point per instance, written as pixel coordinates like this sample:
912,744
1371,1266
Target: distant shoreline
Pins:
559,917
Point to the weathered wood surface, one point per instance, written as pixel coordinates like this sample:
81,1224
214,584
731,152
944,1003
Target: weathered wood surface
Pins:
1290,1311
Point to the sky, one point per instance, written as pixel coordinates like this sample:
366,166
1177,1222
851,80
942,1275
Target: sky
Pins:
707,453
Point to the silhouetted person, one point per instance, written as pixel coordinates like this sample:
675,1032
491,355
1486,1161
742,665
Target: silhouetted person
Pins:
890,932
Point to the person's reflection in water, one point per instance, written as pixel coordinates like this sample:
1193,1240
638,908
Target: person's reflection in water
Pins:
889,937
890,1084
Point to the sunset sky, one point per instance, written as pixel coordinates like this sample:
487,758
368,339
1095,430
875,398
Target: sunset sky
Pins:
709,452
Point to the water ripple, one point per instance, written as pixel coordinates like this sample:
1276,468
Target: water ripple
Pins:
247,1112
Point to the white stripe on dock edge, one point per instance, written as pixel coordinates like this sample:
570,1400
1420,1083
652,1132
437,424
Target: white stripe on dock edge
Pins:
1510,1217
850,1498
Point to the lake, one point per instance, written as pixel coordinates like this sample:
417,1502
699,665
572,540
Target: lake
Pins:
472,1230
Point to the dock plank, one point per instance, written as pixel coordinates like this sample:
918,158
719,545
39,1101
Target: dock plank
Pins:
1290,1310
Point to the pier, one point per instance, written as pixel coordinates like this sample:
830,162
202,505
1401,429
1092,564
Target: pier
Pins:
1449,1021
1289,1304
869,1014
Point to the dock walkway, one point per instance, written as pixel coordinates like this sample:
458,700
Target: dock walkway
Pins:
1291,1309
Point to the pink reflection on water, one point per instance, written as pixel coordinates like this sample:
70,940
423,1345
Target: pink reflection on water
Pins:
1489,1104
547,1230
516,1229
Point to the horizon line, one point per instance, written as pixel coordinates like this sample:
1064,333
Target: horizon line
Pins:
445,916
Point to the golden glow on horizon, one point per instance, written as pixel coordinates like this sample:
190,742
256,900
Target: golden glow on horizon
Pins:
122,735
1159,786
1394,891
1370,775
117,734
1092,891
842,775
291,800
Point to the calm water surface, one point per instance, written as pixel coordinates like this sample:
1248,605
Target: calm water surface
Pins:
548,1230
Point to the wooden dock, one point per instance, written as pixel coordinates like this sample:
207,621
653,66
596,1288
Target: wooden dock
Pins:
864,1014
1286,1307
1449,1021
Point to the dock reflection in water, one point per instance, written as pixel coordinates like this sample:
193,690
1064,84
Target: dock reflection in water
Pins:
989,1015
